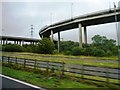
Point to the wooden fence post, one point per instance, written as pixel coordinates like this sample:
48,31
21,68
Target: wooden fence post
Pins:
16,60
63,65
82,72
47,68
2,59
24,62
35,65
107,76
8,60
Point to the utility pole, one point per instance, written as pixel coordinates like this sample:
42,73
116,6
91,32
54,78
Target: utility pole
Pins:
31,31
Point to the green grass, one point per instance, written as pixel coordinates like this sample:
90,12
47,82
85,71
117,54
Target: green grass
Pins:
86,60
43,81
21,54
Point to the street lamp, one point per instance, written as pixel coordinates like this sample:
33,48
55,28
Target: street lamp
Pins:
71,10
118,33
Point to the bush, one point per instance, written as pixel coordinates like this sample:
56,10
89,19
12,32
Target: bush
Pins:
45,46
67,52
99,52
77,51
108,53
12,48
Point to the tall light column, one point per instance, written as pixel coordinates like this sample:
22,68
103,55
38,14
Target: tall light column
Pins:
80,34
58,42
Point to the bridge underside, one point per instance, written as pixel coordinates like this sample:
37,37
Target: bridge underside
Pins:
20,40
85,23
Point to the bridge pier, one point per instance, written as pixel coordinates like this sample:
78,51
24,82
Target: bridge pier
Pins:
22,42
6,41
58,42
1,41
85,35
52,35
17,42
42,36
14,42
80,35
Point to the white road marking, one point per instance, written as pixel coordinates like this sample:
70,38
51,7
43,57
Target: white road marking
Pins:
22,82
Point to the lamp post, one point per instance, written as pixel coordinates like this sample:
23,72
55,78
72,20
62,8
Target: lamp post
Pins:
71,10
118,33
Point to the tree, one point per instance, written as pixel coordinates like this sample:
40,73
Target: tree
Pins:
108,45
45,46
67,45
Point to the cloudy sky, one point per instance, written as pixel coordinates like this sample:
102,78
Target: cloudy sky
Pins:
18,16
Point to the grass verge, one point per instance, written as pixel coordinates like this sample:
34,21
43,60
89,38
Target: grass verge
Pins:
85,60
51,80
42,80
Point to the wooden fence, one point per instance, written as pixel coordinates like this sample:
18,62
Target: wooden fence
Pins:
83,70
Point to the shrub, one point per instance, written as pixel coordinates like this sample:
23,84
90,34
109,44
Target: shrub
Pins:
12,48
67,52
99,52
45,46
77,51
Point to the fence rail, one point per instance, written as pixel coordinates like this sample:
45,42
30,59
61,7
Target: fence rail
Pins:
107,73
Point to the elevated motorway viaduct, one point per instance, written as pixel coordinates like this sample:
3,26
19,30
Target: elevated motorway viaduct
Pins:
17,40
100,17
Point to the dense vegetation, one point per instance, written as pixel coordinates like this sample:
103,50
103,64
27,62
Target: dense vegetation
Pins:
100,46
45,46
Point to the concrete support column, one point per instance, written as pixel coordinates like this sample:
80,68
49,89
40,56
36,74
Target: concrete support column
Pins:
31,42
14,42
85,35
17,42
6,41
58,42
22,42
80,35
52,35
42,36
36,42
3,42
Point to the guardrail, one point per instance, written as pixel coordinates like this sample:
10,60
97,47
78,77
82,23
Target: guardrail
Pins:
83,70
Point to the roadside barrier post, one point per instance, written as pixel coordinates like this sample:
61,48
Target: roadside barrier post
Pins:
107,76
82,72
63,65
47,68
2,59
35,65
24,63
8,60
16,60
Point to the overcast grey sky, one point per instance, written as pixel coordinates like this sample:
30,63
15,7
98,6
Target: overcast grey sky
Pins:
18,16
